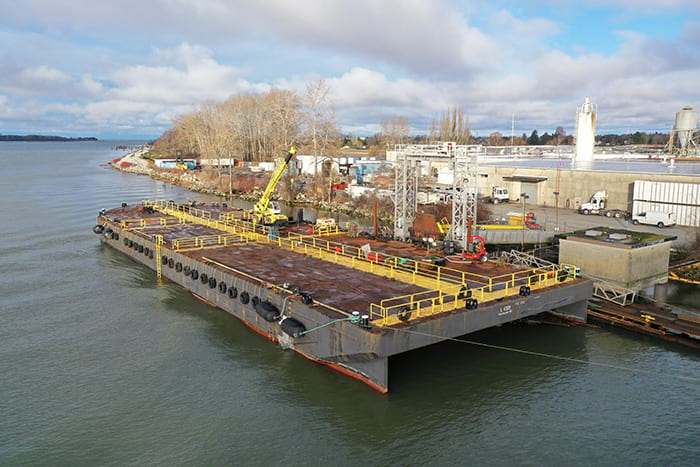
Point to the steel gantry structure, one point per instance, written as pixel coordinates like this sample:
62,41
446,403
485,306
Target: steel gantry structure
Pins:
410,159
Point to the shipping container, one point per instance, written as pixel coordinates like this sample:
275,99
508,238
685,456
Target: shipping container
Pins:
683,199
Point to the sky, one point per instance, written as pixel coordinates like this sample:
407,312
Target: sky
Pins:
126,69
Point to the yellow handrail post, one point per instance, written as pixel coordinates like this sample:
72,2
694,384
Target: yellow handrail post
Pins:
159,266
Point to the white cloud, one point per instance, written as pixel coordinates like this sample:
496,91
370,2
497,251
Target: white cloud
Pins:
523,29
414,58
90,87
188,75
411,33
43,75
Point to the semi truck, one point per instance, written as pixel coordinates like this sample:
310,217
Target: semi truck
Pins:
499,194
597,205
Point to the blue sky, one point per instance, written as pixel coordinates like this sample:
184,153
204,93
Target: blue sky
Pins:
126,68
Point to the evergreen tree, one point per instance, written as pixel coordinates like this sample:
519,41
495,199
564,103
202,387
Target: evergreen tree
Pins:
534,139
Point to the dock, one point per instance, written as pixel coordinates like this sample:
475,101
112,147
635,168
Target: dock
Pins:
334,296
648,319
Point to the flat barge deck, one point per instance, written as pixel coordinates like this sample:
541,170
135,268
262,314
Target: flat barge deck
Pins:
347,301
648,319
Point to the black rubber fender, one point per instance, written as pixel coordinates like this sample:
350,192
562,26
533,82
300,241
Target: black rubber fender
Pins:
171,263
204,278
212,283
306,298
150,255
126,241
178,267
255,300
115,235
194,274
244,298
222,287
233,292
292,327
404,314
186,270
141,248
98,229
131,243
267,311
147,251
163,260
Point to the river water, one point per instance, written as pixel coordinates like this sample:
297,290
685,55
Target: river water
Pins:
101,366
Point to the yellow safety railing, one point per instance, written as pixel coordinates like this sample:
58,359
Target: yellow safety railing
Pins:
191,243
202,217
144,222
390,311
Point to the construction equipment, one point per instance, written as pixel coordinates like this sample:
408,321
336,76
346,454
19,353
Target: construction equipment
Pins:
267,212
475,252
180,164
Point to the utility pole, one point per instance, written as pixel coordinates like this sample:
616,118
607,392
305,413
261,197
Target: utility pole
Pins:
523,196
512,132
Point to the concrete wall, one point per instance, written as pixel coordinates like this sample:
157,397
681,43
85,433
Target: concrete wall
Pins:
634,268
575,186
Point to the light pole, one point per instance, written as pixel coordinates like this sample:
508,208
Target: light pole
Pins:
556,211
523,197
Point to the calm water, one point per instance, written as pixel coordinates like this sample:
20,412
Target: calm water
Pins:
101,366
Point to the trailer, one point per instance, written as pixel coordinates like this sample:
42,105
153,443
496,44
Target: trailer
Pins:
682,199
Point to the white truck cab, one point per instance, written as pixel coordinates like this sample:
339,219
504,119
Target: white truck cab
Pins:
660,219
499,194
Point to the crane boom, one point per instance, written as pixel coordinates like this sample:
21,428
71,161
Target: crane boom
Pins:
262,214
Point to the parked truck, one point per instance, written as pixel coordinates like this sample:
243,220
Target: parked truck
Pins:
598,206
660,219
499,194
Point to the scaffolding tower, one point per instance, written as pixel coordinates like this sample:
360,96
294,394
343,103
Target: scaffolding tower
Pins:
462,163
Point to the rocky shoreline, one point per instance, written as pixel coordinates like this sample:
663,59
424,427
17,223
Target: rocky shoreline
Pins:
134,162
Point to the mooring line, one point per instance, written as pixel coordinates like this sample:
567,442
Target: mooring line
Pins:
557,357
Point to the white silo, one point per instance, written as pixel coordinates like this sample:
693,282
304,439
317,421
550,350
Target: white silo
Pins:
585,131
686,123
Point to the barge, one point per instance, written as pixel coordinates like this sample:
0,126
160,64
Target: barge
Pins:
335,296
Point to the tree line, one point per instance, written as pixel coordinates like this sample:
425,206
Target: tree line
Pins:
262,127
253,127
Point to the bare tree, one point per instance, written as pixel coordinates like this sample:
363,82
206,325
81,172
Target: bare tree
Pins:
454,126
395,130
317,112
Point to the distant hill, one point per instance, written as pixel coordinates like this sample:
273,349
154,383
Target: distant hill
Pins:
44,138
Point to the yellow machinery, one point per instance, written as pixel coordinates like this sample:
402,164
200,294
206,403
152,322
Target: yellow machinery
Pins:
443,225
263,212
516,221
